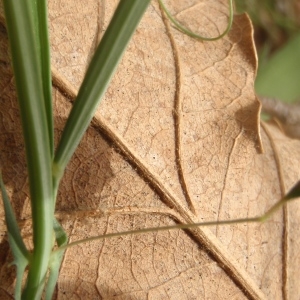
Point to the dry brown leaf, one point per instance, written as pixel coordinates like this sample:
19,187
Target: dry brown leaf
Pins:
175,140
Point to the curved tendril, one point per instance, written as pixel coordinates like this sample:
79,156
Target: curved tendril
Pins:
293,194
194,35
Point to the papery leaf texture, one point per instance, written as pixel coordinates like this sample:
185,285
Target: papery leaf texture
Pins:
177,139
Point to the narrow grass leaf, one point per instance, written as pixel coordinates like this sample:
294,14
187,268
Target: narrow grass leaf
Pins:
11,222
27,72
108,54
21,262
40,17
19,250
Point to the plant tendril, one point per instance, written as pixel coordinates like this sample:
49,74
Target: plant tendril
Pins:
193,34
293,194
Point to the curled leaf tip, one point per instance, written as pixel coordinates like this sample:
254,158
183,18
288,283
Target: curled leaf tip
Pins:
193,34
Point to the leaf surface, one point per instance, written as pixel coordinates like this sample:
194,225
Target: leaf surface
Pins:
177,139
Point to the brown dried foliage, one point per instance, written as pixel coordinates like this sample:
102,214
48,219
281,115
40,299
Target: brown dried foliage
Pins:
177,139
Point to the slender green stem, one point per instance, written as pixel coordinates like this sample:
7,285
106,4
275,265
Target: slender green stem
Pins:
155,229
18,248
27,71
44,49
193,34
98,76
11,221
293,194
40,19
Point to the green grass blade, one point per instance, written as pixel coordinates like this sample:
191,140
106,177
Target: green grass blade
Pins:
40,11
19,250
20,253
11,222
99,73
21,263
27,71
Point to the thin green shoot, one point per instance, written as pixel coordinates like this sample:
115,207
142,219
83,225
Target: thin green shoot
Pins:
293,194
97,78
40,17
26,24
26,60
21,254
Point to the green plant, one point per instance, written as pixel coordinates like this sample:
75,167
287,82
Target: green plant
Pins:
28,34
32,71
